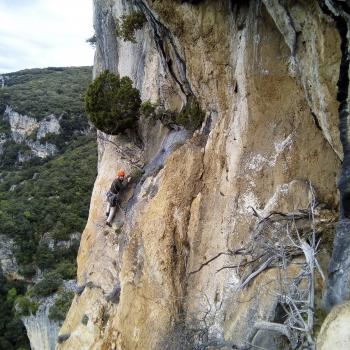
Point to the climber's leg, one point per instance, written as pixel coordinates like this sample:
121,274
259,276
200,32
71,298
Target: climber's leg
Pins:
111,215
108,208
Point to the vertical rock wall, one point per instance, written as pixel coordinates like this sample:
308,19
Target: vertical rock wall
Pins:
42,332
266,75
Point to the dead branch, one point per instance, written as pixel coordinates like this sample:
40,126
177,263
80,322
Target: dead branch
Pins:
241,251
240,265
261,268
121,152
282,237
275,327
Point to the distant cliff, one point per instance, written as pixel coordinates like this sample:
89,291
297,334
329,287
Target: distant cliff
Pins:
215,245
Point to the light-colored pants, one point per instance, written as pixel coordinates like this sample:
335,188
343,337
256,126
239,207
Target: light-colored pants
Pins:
111,211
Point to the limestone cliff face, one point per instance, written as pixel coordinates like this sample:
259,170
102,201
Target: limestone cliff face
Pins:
267,76
23,128
42,332
8,263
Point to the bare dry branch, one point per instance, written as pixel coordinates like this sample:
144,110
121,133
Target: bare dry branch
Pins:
261,268
241,251
275,327
118,149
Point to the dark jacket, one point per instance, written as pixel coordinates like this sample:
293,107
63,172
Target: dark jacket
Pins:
117,186
113,193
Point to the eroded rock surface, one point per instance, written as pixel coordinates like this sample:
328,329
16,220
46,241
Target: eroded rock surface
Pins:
266,75
334,333
8,263
29,131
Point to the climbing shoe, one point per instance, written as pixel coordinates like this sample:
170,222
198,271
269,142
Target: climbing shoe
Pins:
108,224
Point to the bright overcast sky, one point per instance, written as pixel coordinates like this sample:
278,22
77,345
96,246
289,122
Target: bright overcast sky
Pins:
45,33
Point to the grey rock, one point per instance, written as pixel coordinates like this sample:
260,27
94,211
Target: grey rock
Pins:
42,150
3,139
80,289
62,338
41,331
12,188
270,340
338,287
2,82
50,125
8,263
22,130
85,320
22,126
114,295
24,157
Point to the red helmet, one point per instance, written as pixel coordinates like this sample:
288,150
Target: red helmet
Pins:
121,173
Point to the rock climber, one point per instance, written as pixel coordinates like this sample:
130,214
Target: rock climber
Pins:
113,195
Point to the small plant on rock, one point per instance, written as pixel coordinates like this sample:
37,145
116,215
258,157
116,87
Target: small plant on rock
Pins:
48,285
191,116
136,174
59,310
129,24
25,306
148,109
112,103
92,40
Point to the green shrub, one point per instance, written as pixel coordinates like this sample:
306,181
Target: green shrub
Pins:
45,258
10,154
11,295
67,269
92,40
148,109
48,285
129,24
192,116
33,135
136,174
63,186
12,332
27,271
59,310
112,103
5,127
26,306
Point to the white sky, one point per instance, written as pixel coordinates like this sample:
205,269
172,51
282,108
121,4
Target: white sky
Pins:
45,33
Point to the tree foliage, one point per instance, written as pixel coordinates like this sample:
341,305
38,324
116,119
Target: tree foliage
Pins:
191,116
61,185
92,40
40,92
25,306
59,310
112,103
43,201
48,285
129,23
12,332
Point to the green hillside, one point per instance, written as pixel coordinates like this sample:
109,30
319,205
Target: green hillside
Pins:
44,200
39,92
